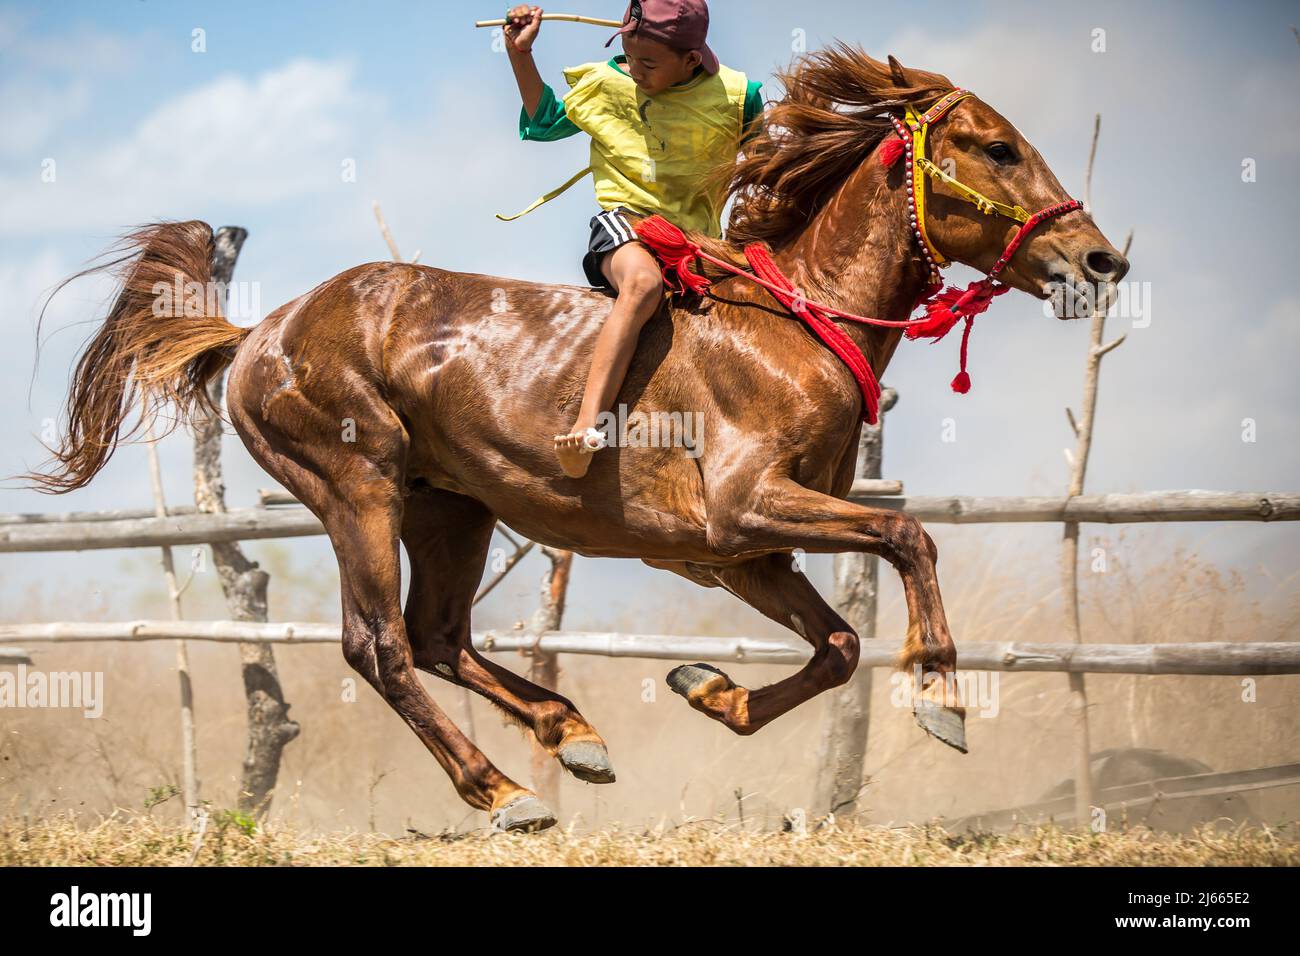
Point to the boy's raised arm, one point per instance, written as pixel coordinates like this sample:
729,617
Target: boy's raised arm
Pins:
521,34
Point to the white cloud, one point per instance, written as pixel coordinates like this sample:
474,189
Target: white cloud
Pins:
281,135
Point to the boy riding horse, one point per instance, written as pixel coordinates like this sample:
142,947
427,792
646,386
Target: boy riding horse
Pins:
661,117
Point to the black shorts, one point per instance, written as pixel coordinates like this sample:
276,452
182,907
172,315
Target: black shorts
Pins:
609,230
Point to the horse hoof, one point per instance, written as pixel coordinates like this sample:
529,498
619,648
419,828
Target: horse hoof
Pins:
587,760
690,680
947,724
524,814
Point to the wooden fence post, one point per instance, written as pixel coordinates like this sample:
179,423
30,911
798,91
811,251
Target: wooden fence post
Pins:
244,585
189,746
844,744
1083,432
544,671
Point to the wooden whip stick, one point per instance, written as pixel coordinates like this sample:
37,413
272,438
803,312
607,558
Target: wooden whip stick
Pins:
571,17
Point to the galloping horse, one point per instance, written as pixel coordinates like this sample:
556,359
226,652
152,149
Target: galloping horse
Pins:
403,403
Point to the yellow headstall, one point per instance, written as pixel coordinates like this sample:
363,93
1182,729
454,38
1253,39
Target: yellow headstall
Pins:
918,125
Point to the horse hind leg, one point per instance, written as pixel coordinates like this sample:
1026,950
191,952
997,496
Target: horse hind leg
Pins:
447,537
355,490
782,514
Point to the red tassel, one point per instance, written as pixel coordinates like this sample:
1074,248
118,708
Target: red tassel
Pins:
890,152
961,384
939,316
943,310
674,250
977,298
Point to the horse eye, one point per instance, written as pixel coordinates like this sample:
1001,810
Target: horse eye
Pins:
1000,153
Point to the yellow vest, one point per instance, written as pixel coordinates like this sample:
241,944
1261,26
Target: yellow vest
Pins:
652,154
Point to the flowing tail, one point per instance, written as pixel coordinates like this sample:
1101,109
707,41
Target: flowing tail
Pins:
163,341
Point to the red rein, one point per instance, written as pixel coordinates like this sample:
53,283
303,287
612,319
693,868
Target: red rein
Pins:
676,252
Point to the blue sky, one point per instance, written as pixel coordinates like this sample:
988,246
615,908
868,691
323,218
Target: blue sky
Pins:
254,131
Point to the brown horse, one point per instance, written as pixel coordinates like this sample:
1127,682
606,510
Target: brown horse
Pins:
403,403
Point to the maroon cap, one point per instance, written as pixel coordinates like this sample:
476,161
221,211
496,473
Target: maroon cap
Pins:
680,24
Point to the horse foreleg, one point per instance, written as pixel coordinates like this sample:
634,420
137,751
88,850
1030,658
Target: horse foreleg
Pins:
781,514
771,585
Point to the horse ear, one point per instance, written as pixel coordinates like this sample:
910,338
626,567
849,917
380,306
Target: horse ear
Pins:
896,71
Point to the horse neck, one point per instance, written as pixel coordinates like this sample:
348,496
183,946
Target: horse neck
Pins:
856,254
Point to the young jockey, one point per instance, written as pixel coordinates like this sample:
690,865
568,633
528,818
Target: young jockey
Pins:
660,117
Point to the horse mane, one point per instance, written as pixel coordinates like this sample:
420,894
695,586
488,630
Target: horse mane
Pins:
834,112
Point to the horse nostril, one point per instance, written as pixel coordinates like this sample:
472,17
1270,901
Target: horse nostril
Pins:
1102,265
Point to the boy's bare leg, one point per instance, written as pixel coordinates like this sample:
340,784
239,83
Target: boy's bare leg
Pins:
634,274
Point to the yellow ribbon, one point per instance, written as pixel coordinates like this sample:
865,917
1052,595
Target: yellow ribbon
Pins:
547,198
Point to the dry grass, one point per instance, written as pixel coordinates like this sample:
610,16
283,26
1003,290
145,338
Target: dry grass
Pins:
143,841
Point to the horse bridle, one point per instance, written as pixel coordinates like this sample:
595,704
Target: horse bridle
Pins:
912,134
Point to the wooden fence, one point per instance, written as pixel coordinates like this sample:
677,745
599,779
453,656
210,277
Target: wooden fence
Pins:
845,744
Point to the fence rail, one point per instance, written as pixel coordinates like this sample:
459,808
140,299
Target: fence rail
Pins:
66,517
28,533
238,524
1209,658
1095,509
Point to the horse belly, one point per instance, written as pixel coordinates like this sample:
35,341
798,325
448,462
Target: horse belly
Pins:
633,503
484,379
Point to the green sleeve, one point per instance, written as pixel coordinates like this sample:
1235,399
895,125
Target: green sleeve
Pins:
753,107
549,122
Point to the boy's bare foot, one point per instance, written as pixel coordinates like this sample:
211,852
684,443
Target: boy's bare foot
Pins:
575,449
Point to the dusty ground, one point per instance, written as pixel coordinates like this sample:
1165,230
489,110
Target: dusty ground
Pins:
148,842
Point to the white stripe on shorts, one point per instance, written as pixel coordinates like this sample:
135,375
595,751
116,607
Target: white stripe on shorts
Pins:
616,227
603,219
622,224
